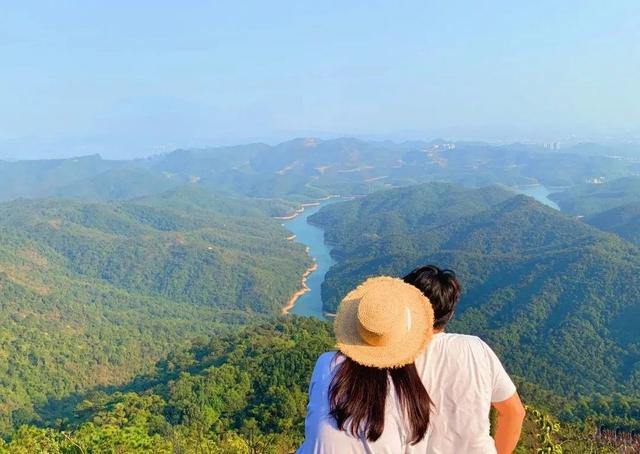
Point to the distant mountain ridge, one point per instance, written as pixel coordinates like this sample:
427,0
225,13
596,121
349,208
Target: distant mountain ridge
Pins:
308,168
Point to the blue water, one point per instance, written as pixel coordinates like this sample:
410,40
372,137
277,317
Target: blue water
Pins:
310,304
538,192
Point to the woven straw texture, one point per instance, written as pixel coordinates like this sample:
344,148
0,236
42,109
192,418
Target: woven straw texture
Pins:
384,323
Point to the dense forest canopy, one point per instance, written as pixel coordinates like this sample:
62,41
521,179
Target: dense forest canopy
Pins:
183,245
240,393
623,220
92,294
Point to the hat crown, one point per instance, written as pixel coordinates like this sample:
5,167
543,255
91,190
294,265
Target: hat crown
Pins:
383,323
378,311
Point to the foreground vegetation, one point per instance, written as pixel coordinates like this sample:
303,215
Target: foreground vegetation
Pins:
244,392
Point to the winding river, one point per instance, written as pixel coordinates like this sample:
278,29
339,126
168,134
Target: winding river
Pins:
309,301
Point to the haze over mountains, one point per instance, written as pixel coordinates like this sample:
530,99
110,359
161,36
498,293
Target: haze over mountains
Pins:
312,168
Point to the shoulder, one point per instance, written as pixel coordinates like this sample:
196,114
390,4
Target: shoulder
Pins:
463,343
328,360
460,340
325,364
457,337
475,347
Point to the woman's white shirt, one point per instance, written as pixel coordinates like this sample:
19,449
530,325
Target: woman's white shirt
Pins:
322,436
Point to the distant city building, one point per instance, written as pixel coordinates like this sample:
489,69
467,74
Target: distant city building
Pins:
444,146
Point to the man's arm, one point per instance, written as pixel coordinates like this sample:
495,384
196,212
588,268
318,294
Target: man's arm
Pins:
508,423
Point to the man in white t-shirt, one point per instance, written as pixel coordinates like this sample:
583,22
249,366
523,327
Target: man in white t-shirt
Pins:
464,379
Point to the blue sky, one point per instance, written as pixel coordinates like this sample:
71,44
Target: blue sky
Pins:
138,77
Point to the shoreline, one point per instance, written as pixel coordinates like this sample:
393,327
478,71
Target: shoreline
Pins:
551,189
286,309
298,211
288,217
304,289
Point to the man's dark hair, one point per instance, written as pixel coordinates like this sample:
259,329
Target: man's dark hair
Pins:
441,287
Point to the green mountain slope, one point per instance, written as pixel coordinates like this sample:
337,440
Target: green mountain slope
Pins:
416,207
554,296
154,246
623,221
120,183
93,294
43,177
61,333
588,199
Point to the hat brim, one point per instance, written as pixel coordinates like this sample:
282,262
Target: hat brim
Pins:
403,349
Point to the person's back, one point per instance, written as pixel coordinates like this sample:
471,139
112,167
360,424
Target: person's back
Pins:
368,397
322,434
464,379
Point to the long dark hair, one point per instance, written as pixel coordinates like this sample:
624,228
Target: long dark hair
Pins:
358,394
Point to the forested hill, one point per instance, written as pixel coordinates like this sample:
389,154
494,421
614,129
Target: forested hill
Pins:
557,298
612,206
589,198
153,245
401,212
92,294
623,220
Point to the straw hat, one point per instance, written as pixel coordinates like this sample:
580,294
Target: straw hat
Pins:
383,323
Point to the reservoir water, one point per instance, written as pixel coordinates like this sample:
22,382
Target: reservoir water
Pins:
540,193
310,304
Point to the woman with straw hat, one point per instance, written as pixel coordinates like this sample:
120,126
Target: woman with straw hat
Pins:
368,396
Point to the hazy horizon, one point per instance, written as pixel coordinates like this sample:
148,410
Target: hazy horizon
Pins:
632,147
132,80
